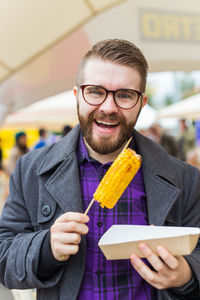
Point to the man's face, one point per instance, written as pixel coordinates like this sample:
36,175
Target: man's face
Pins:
22,140
106,127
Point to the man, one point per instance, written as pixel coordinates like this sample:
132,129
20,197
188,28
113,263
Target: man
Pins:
20,148
66,130
49,244
186,139
42,141
1,157
158,134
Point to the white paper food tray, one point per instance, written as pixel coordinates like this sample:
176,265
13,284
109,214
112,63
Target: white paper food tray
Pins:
120,241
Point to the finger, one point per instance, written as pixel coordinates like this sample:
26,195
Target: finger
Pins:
61,250
73,216
69,249
154,260
70,227
168,258
142,268
67,238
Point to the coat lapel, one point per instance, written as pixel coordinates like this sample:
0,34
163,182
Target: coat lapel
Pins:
158,178
60,167
64,185
161,196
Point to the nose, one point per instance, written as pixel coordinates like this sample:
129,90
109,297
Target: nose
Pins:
109,105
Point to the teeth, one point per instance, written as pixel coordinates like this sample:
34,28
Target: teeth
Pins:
107,123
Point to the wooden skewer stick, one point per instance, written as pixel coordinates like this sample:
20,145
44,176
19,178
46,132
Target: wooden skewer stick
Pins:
126,146
92,201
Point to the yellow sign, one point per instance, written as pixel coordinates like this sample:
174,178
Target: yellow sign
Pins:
161,26
7,136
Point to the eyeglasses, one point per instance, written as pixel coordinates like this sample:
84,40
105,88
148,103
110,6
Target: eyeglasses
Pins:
96,95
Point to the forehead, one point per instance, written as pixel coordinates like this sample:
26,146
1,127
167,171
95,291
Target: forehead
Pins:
111,75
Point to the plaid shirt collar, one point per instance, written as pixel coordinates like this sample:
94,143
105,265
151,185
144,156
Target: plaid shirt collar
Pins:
82,152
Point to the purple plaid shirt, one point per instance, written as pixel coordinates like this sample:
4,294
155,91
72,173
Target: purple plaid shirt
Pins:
104,279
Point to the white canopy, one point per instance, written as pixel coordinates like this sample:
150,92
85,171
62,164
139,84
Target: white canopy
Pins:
188,108
51,113
147,117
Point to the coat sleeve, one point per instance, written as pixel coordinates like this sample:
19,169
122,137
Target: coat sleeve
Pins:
19,244
191,218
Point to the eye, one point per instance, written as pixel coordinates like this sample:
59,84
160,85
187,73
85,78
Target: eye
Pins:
94,91
126,95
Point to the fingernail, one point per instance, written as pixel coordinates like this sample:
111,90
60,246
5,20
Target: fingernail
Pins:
160,249
142,246
133,257
87,218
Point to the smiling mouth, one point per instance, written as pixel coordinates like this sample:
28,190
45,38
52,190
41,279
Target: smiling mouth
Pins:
105,124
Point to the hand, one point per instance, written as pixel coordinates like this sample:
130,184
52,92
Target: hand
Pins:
65,234
172,271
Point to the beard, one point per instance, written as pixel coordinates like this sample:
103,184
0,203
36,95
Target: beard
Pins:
23,148
105,144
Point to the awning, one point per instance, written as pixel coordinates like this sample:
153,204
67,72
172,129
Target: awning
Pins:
188,108
52,113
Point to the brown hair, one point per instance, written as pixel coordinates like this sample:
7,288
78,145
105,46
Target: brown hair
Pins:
117,51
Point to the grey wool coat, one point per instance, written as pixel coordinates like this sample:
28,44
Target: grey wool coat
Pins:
45,184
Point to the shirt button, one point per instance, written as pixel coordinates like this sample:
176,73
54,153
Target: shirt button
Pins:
46,210
101,176
98,273
99,224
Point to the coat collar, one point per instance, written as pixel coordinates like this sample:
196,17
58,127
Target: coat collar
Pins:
154,157
60,151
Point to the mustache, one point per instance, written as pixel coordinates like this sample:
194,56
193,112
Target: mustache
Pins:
101,116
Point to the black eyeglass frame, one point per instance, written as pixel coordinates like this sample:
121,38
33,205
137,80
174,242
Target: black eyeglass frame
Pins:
83,86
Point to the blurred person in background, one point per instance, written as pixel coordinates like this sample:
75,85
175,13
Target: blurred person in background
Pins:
158,134
42,140
1,157
185,139
66,130
46,240
20,148
193,157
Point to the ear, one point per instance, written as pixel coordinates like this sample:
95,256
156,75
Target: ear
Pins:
144,100
75,89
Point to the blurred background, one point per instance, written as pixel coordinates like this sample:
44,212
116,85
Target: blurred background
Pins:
42,43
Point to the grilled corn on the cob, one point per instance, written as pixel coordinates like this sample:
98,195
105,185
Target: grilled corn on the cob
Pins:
117,178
